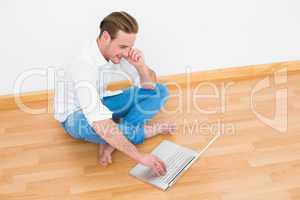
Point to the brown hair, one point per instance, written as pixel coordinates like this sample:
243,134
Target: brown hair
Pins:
116,21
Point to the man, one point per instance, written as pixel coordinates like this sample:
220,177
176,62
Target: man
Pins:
87,111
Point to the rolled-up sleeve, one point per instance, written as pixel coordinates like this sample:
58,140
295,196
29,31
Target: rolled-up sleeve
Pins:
85,77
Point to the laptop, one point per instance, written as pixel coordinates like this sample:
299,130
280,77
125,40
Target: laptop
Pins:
177,159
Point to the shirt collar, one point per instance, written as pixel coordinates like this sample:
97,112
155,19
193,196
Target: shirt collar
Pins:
93,53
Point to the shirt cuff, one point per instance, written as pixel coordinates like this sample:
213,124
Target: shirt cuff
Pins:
97,115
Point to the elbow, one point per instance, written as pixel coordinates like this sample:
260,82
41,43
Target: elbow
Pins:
149,85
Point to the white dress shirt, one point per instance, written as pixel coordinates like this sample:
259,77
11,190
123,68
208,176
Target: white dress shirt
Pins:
81,84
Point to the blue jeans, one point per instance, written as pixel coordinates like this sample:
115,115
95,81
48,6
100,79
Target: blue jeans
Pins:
132,108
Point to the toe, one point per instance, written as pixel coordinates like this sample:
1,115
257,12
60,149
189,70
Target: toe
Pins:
103,162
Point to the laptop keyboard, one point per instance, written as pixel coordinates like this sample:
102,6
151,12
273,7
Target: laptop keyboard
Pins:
175,164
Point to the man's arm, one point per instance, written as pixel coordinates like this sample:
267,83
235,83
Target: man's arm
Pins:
109,131
147,76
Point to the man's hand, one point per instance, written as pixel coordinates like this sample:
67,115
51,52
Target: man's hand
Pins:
109,131
136,58
157,165
147,76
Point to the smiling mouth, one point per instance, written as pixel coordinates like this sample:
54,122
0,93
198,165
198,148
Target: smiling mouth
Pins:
117,59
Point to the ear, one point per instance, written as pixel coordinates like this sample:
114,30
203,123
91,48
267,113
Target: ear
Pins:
106,36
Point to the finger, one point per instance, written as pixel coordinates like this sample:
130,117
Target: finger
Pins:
164,171
162,165
131,56
152,173
161,162
157,172
138,56
130,53
159,168
165,167
134,56
134,52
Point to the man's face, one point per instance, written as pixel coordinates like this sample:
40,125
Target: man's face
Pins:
119,47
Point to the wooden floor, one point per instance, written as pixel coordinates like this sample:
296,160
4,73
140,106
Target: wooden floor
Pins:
250,160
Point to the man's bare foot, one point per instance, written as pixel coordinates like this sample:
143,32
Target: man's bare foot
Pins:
165,128
104,154
100,151
160,128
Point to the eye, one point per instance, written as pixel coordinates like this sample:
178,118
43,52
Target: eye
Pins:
123,47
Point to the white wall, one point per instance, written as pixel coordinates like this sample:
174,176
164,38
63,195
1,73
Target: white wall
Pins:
200,34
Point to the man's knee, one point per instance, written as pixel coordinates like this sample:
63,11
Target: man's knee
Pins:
162,90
